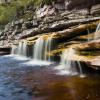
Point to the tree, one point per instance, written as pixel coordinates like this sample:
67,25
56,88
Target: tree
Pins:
81,4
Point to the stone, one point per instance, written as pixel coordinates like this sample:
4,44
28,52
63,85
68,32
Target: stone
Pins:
47,10
95,9
92,45
34,23
28,24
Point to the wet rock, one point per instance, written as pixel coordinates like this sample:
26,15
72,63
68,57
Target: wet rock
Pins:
5,50
96,63
85,38
92,45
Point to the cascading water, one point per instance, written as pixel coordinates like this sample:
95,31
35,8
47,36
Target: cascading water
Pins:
65,59
14,50
66,62
98,27
24,49
48,47
97,32
21,49
68,65
38,49
42,46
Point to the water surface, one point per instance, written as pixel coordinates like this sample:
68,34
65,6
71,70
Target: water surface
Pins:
20,80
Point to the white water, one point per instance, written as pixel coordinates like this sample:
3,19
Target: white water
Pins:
36,62
24,49
97,32
20,50
48,47
82,75
66,59
39,49
13,50
68,66
42,47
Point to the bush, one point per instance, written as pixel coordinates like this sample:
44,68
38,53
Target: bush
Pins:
9,11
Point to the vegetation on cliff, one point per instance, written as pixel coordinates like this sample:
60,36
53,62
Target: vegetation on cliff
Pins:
9,11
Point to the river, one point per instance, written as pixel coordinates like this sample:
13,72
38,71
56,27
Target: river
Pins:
21,80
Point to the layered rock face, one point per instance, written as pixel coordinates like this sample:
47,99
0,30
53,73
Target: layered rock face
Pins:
96,9
70,29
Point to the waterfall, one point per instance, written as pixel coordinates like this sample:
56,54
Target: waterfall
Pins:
66,62
14,50
24,49
98,27
68,65
39,49
97,32
88,35
21,49
48,47
43,46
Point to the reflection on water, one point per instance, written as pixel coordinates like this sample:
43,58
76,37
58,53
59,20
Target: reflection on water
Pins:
20,80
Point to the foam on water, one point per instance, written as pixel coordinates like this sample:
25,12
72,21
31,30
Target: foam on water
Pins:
67,65
37,62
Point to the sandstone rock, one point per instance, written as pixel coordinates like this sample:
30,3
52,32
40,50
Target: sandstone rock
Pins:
92,45
61,25
95,9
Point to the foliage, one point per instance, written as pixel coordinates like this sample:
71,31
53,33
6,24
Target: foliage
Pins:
8,11
6,14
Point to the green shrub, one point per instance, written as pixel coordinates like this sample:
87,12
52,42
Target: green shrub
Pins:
8,11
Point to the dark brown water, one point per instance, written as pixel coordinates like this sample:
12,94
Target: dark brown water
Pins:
19,81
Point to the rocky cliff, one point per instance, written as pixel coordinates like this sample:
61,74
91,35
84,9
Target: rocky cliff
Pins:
70,28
